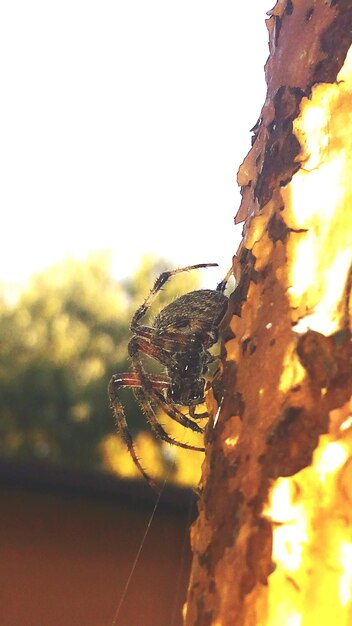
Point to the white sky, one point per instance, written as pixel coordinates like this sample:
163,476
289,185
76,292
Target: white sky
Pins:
122,126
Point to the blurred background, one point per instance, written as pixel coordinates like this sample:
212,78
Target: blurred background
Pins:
122,127
61,340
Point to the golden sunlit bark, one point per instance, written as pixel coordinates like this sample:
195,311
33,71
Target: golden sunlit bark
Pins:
273,541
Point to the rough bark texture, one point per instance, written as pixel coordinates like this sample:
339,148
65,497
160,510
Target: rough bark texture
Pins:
267,427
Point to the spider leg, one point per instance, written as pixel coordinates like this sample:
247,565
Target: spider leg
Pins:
131,379
148,347
155,425
139,344
177,415
222,285
146,391
134,381
122,423
197,416
160,281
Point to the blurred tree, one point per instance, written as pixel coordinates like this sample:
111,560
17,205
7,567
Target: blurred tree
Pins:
60,343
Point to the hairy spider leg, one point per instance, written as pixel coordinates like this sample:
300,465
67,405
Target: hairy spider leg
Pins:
155,425
159,399
122,425
138,344
160,281
149,348
197,416
135,382
131,379
169,409
222,285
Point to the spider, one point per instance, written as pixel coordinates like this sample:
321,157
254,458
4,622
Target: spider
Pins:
179,339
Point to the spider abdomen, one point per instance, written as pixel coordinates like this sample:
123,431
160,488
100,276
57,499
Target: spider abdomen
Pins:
197,312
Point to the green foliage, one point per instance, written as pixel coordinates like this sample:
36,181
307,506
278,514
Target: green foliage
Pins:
60,343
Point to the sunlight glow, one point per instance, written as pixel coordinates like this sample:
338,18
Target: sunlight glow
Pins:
107,122
291,526
329,459
310,511
345,582
292,370
319,192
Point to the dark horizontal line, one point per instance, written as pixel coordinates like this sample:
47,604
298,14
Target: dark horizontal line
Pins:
43,476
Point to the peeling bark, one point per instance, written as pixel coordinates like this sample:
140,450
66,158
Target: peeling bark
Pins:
268,426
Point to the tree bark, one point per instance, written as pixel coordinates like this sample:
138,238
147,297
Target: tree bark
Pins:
274,405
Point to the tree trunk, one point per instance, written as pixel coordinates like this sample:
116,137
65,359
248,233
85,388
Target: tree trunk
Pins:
273,541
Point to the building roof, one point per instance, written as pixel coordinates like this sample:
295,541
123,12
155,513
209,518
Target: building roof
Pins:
38,475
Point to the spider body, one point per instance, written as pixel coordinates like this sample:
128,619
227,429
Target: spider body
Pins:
196,317
198,311
180,339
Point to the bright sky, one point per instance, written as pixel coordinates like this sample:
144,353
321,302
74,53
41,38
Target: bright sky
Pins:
122,126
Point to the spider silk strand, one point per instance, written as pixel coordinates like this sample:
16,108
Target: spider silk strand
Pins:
136,559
